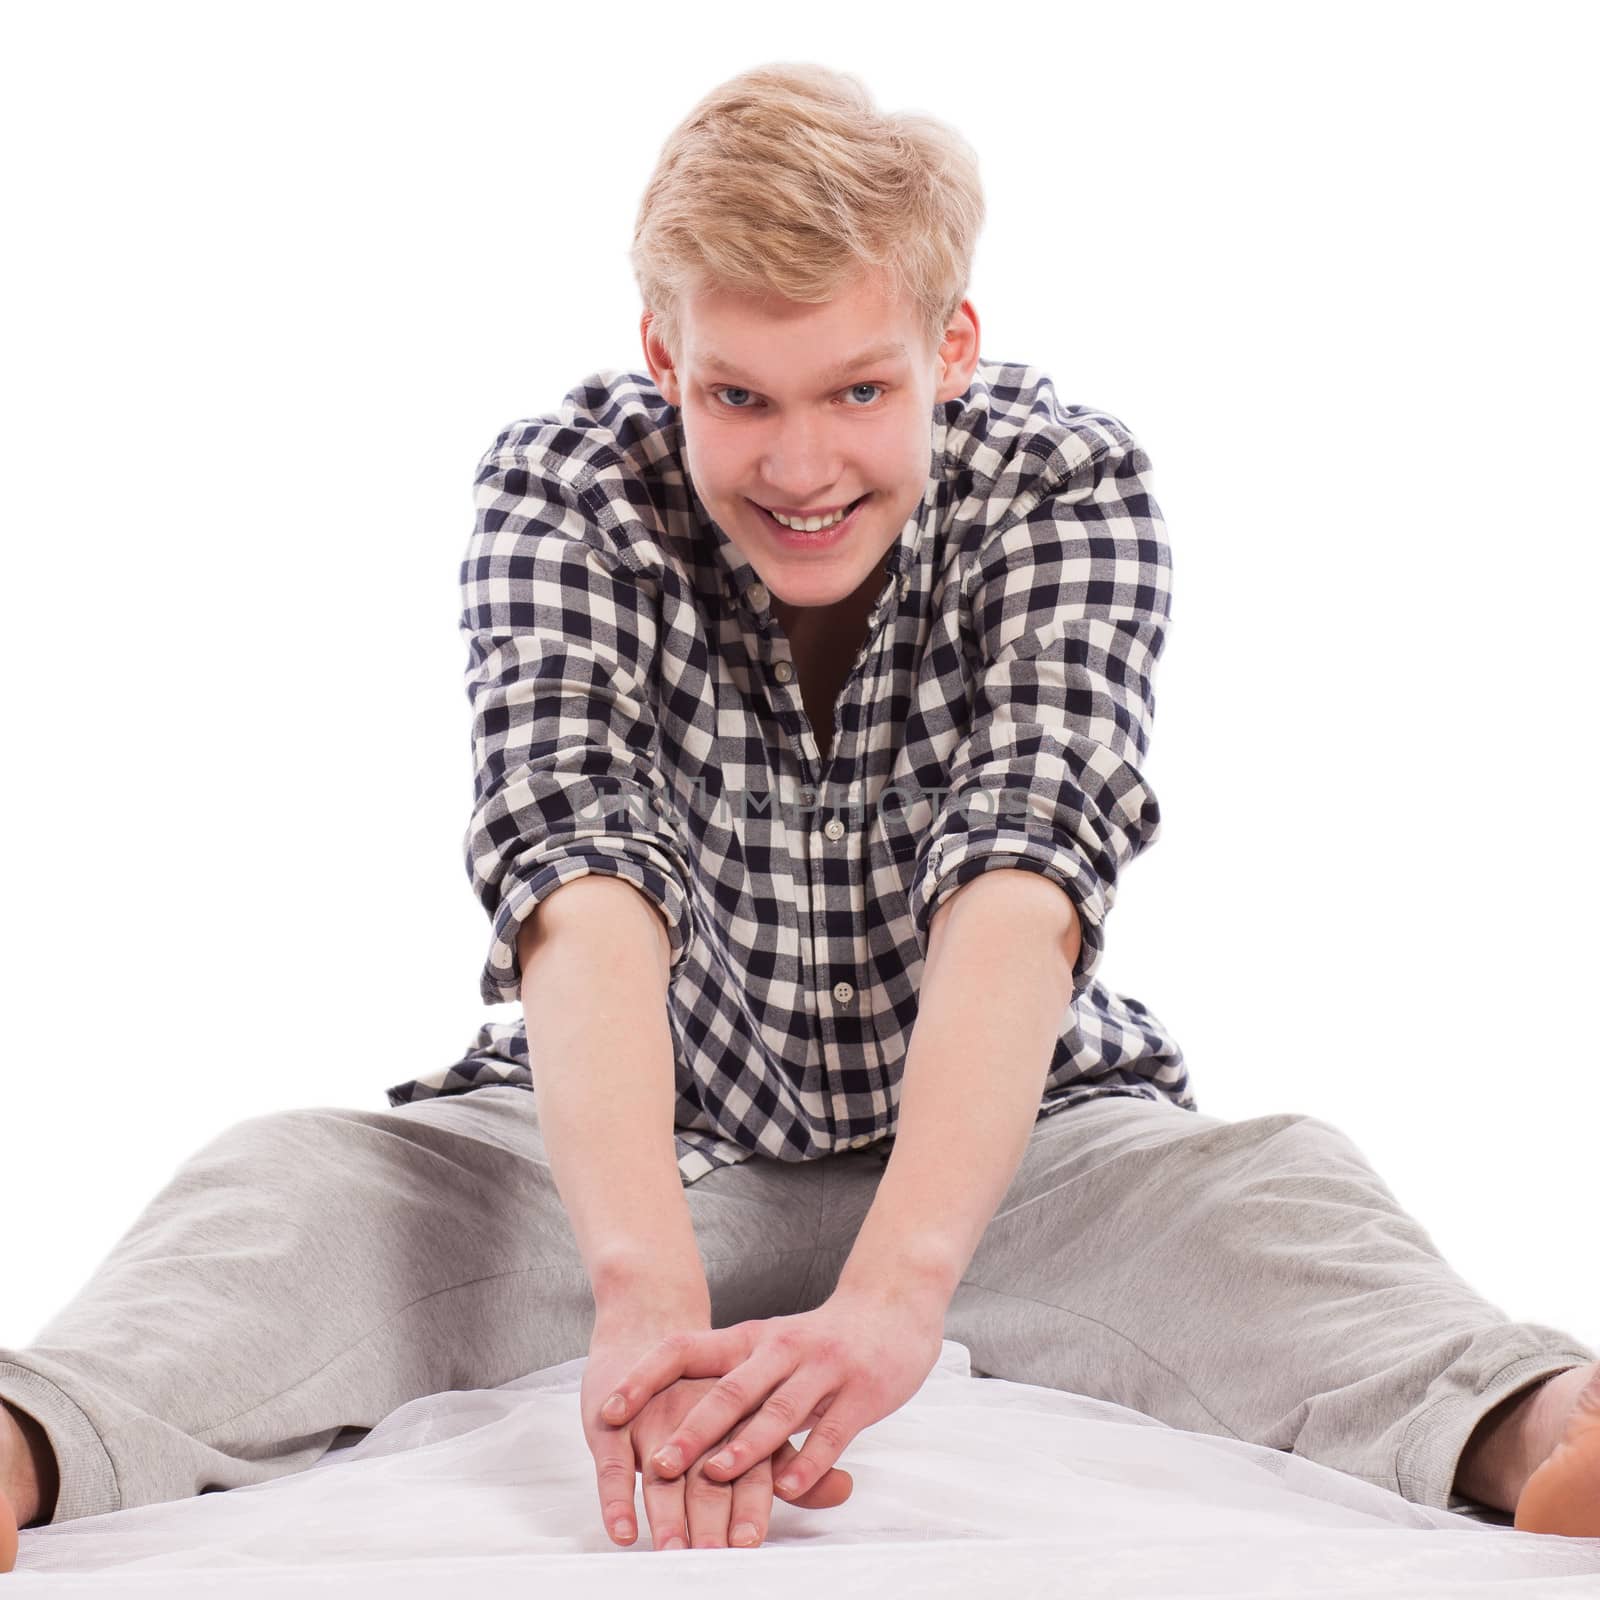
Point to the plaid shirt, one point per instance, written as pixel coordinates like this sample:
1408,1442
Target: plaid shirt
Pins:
636,711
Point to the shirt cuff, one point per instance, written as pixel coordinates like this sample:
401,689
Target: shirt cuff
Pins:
502,973
958,858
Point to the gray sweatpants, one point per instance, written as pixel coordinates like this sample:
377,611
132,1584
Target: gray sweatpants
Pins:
309,1271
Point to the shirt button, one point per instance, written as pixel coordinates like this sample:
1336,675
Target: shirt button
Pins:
844,993
759,596
834,828
905,585
783,672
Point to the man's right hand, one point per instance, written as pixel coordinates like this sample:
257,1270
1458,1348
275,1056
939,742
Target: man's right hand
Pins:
701,1511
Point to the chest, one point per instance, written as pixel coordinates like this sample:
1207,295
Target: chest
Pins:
824,646
821,678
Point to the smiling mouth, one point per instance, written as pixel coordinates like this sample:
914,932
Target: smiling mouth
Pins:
849,511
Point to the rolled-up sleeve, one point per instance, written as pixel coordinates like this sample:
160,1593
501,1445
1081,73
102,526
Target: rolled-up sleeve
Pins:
1069,607
562,659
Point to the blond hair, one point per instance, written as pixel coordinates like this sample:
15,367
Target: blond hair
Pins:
787,180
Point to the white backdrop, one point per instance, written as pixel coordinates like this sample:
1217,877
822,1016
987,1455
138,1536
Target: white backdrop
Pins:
280,274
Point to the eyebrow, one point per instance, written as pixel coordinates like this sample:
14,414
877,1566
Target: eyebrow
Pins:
862,358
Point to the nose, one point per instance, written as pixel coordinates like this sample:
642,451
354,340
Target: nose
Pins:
801,465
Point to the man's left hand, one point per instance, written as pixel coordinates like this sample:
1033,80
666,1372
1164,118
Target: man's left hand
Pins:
835,1370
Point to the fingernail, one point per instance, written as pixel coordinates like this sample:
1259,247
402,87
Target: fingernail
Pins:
615,1405
669,1460
623,1530
724,1461
746,1533
789,1483
674,1543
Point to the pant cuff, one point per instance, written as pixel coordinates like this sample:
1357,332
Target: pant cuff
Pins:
88,1481
1425,1467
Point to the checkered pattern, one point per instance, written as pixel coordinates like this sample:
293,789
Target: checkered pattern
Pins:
636,712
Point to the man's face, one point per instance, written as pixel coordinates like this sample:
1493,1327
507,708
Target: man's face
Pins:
778,412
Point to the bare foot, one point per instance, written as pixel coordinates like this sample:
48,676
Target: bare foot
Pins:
24,1454
10,1443
8,1534
1562,1494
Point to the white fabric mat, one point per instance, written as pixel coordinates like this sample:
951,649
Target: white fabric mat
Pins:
975,1487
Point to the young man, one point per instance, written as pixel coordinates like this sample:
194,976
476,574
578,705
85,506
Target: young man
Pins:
799,837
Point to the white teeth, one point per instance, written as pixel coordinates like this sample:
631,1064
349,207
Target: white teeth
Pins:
809,524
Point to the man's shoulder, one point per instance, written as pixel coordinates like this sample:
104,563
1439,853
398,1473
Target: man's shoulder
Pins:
595,461
611,422
1010,431
1024,464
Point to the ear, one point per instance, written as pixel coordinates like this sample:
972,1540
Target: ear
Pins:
958,352
659,359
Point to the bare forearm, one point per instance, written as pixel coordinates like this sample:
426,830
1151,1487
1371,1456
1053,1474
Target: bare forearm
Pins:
594,984
995,991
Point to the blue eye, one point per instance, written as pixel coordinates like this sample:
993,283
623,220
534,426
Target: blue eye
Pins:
723,390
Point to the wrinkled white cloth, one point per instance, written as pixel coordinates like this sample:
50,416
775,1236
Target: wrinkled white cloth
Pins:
974,1486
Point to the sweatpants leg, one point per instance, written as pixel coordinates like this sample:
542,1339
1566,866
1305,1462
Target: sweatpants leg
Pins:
309,1271
1254,1279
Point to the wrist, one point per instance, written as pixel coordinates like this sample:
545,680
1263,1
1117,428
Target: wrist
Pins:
630,1294
919,1287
